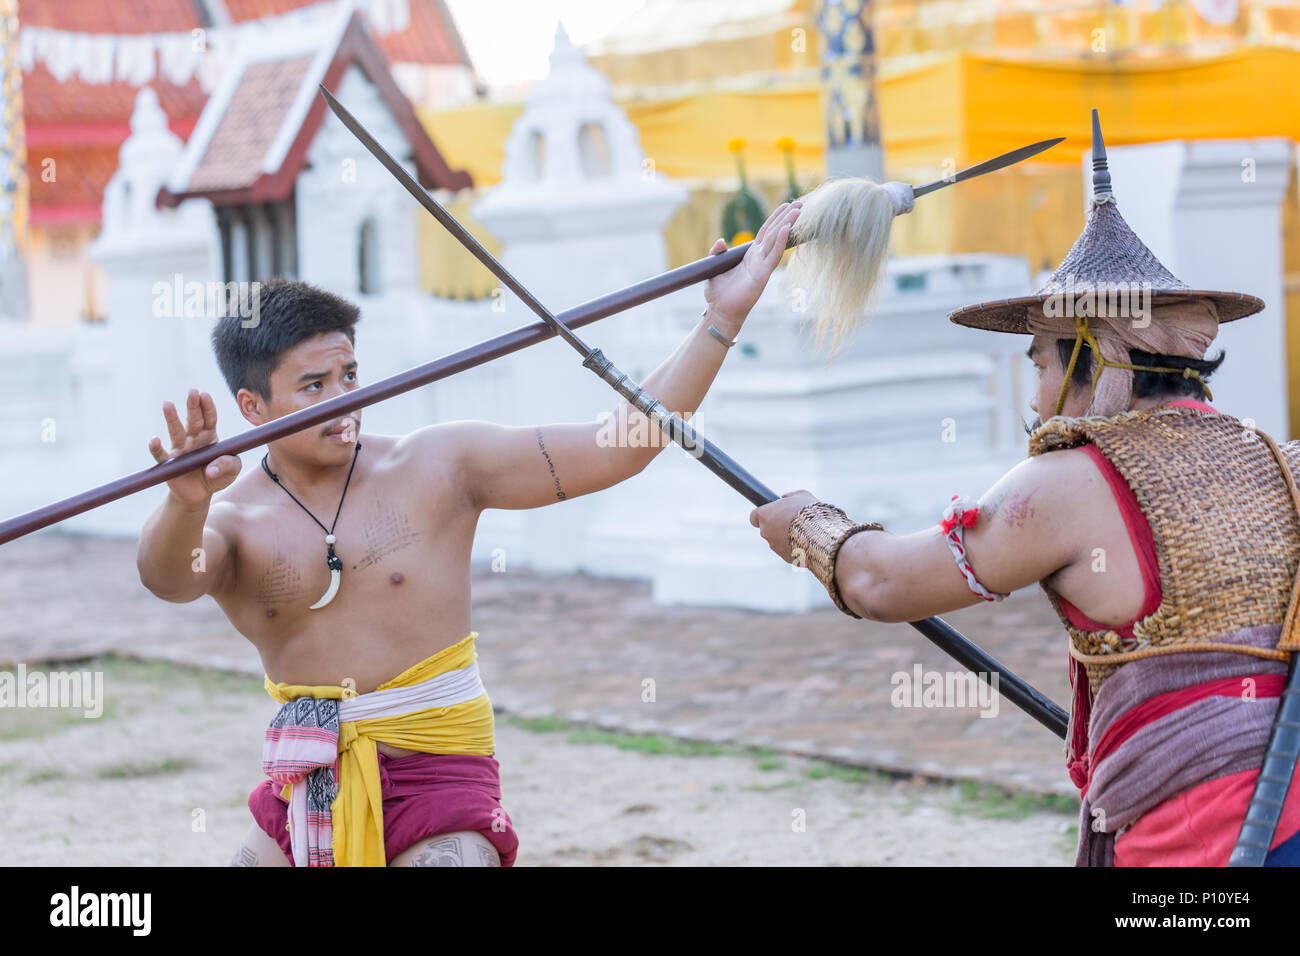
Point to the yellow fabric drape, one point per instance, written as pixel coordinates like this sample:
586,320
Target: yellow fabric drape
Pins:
958,108
358,814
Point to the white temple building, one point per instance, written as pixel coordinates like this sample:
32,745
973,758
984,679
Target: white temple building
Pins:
914,410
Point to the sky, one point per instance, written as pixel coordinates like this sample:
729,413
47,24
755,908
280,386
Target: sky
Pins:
509,41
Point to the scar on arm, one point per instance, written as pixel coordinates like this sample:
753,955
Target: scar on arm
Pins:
559,492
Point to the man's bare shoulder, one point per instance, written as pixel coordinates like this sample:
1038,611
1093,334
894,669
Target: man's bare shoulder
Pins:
439,454
445,439
444,447
1053,489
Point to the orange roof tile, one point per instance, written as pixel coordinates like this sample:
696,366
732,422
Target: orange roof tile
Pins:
233,159
430,37
76,192
86,123
132,16
251,110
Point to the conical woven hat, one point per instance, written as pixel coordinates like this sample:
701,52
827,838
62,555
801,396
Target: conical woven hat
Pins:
1108,254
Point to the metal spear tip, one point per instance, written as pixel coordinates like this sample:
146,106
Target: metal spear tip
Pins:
989,165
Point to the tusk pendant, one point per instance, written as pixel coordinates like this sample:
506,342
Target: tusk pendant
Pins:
336,575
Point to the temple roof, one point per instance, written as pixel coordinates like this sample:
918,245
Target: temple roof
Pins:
251,141
80,125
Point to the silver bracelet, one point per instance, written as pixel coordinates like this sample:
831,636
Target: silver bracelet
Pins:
713,330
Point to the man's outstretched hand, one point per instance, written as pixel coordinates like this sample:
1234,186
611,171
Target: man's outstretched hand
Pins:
195,488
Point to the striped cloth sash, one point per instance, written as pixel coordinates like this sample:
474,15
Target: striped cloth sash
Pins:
1163,725
301,748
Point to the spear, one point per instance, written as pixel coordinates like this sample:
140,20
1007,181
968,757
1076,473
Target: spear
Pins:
460,361
613,302
1013,687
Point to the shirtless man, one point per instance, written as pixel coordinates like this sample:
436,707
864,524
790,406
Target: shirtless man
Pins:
405,523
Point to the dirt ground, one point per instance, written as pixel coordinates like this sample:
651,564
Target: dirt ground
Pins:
162,778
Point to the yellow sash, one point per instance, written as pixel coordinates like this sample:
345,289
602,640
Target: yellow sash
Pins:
358,811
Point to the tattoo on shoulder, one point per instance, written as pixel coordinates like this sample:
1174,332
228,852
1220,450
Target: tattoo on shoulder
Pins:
559,492
1014,507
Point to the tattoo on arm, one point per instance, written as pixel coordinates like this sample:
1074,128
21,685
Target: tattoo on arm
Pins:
245,857
442,853
559,492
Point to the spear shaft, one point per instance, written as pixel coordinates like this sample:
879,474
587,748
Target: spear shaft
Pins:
939,632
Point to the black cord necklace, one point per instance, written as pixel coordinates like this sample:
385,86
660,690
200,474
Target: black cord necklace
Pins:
333,561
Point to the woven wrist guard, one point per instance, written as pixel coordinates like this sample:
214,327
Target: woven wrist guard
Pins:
817,533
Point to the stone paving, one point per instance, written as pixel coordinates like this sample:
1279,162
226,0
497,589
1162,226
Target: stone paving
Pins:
584,648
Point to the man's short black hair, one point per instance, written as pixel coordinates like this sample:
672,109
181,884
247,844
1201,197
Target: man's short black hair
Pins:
1146,384
288,312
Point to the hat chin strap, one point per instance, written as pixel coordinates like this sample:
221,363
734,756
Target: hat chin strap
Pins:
1084,334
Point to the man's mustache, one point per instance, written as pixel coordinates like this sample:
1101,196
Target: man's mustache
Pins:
1030,426
356,425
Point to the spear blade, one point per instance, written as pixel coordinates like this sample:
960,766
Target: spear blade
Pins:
1006,159
989,165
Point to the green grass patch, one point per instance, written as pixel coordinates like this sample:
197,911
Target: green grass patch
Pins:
657,744
981,799
154,671
44,776
540,725
130,771
26,723
834,771
994,803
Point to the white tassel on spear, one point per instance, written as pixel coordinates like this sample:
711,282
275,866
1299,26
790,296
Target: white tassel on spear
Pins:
841,242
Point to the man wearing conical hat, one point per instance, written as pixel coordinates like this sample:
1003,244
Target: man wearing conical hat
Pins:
1165,534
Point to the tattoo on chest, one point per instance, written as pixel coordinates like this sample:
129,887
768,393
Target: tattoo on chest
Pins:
388,530
281,583
559,492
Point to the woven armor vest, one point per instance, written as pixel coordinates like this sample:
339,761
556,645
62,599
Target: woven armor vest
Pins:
1226,532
